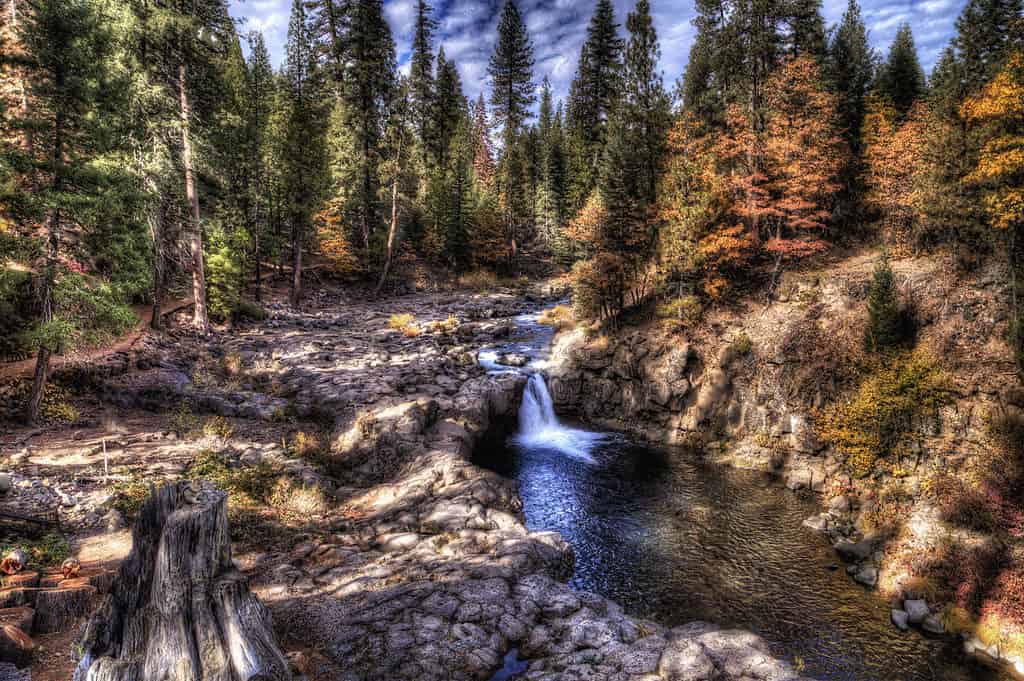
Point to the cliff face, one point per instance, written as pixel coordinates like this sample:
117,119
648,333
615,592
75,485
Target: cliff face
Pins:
759,386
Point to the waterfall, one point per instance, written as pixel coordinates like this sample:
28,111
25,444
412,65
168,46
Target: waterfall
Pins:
539,426
538,411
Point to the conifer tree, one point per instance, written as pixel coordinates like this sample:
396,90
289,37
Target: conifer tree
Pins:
646,102
64,47
901,78
849,70
261,93
447,108
303,159
594,91
884,328
511,74
369,84
987,31
421,71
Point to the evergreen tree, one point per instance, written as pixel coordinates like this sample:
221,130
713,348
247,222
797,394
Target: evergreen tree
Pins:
594,91
511,74
64,46
328,25
261,94
986,32
884,317
483,154
807,30
421,71
646,103
901,78
303,160
447,108
849,69
369,84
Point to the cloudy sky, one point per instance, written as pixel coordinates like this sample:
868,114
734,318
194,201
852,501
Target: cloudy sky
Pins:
467,29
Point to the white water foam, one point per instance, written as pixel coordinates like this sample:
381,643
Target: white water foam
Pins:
539,426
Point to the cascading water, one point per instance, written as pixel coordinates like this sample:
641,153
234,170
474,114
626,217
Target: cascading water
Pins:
539,426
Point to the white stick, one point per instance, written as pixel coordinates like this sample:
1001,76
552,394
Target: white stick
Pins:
106,461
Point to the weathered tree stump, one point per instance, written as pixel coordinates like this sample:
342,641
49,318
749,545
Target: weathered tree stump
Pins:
179,610
57,609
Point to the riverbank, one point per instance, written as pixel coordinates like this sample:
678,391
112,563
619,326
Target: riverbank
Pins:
933,522
345,440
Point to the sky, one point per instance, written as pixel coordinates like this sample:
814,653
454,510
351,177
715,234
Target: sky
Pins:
467,30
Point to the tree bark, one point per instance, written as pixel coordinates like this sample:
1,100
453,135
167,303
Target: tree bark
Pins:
200,320
35,398
296,293
179,610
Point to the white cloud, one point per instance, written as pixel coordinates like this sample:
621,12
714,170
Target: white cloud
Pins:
467,29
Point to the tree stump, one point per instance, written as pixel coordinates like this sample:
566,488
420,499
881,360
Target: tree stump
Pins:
179,610
57,609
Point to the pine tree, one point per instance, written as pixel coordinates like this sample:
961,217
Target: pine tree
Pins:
987,30
849,70
885,321
421,71
446,110
261,94
303,160
64,48
594,91
901,78
483,154
328,26
646,102
369,84
511,74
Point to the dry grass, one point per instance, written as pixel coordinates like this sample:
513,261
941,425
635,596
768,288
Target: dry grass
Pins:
561,317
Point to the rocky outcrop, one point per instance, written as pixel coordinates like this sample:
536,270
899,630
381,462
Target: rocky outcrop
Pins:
748,385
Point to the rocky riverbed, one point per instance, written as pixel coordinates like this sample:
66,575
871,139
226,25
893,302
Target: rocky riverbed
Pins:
412,563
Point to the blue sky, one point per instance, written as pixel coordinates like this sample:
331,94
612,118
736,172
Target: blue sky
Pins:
557,27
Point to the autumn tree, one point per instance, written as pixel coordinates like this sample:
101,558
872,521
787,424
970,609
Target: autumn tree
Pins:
892,182
998,109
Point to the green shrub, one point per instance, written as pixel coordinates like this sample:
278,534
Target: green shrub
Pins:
741,344
251,311
247,486
223,274
686,309
882,412
129,498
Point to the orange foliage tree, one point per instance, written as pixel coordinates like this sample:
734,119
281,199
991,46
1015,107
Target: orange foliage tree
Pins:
335,246
893,154
805,154
694,247
1000,170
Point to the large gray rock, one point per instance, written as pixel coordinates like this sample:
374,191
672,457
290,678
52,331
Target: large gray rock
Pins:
917,610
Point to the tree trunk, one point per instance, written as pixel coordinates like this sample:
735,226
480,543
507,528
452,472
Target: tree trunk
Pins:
259,272
296,294
179,610
156,231
391,235
35,397
199,318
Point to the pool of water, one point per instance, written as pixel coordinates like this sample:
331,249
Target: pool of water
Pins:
675,540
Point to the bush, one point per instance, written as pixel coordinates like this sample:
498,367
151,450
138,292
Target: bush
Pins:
398,322
882,413
295,502
741,345
223,274
129,498
559,316
249,311
687,310
218,427
247,486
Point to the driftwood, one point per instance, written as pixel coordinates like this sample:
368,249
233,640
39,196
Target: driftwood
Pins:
179,610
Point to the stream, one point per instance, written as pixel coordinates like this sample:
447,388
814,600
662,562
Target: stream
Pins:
673,539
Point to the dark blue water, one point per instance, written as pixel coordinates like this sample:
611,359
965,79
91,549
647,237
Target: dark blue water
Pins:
675,540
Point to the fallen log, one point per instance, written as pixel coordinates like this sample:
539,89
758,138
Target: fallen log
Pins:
178,609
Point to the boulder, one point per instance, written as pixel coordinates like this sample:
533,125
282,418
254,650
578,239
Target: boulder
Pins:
900,619
855,552
933,625
867,575
917,610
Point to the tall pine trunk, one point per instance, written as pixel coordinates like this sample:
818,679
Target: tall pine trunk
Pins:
42,370
156,230
200,320
389,254
296,292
